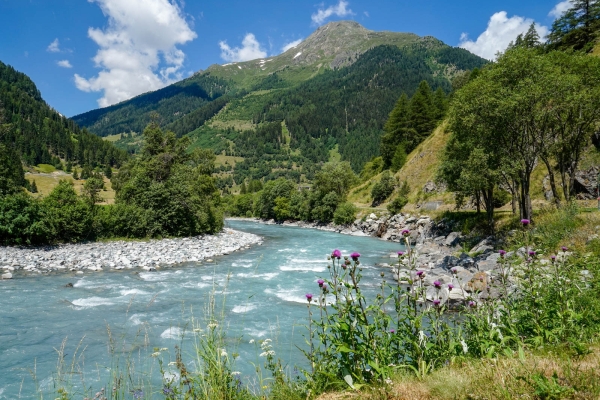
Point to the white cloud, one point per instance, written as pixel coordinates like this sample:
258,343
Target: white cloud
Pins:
500,31
54,47
64,64
366,14
250,50
339,10
560,8
291,45
138,50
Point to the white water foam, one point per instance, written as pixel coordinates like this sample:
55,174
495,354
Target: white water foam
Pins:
172,333
255,333
303,267
154,276
93,302
266,277
244,308
135,319
134,292
288,295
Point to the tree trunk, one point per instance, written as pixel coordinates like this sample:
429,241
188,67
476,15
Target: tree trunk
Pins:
477,202
552,181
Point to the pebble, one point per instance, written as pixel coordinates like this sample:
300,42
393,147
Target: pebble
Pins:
118,255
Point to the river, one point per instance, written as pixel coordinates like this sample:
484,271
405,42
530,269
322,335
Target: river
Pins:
261,292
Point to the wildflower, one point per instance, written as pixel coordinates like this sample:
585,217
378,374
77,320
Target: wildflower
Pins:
450,287
155,354
167,391
405,232
400,253
454,270
336,254
436,302
531,253
502,253
553,258
213,325
235,373
437,284
421,274
251,341
309,297
355,256
525,222
172,363
472,304
392,331
464,346
164,349
138,394
223,353
267,353
564,249
320,282
388,381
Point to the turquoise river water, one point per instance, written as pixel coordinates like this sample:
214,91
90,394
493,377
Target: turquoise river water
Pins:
261,292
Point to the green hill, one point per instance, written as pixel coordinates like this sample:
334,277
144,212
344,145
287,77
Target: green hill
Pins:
40,135
328,96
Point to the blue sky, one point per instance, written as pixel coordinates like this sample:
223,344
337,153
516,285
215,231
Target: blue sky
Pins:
86,54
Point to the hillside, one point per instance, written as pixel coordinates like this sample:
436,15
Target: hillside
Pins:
327,97
40,135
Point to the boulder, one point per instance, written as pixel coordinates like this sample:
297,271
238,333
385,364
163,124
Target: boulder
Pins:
478,283
7,275
452,239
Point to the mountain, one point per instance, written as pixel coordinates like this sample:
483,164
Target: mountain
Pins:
40,135
326,98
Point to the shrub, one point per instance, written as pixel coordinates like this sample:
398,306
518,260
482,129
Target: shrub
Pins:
23,220
383,189
345,214
396,205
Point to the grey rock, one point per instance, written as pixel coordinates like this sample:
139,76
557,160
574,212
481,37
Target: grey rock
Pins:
452,239
7,275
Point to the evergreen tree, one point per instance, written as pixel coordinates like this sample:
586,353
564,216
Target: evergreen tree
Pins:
108,171
75,174
577,28
243,189
12,176
399,158
33,187
422,116
440,102
395,129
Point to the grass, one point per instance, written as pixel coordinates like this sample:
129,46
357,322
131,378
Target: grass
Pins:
548,375
45,168
45,183
231,160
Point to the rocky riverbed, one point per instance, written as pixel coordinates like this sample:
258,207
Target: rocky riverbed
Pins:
437,251
104,256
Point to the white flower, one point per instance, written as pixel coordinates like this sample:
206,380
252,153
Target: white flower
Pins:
213,325
235,373
155,354
251,341
464,346
267,353
223,353
164,349
388,381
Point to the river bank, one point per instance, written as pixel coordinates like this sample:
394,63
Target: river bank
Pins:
118,255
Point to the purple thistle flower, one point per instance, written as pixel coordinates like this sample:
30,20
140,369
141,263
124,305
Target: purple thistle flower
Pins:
525,222
454,270
167,391
400,253
420,274
450,287
553,258
437,284
336,254
355,256
405,232
564,249
531,253
436,302
324,287
320,282
392,331
309,297
472,304
502,253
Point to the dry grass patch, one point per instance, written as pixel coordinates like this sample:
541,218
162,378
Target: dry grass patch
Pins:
46,182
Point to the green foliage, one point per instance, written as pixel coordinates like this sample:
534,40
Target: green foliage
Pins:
23,220
577,28
399,158
12,176
345,214
33,187
335,177
68,215
395,206
383,189
39,134
371,168
108,171
265,204
175,188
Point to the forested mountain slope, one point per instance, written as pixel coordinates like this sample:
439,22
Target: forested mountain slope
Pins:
40,135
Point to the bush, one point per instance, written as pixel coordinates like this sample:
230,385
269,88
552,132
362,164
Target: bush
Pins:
68,215
345,214
501,197
383,189
396,205
23,220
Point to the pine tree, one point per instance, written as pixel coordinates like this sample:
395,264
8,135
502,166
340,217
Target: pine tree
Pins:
33,187
243,189
577,28
422,116
395,129
399,158
75,174
441,104
108,171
